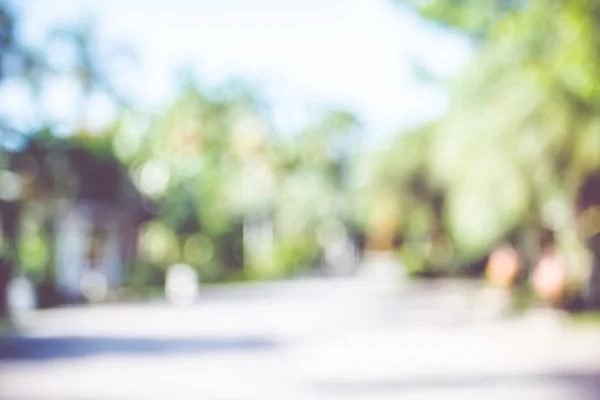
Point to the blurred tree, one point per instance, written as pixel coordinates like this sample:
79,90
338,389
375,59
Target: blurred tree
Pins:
521,136
46,168
8,41
9,54
401,202
192,161
312,196
476,18
91,66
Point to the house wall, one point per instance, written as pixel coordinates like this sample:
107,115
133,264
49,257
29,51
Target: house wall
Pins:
72,234
112,264
75,227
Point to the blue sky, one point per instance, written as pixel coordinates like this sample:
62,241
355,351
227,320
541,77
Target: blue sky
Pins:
350,53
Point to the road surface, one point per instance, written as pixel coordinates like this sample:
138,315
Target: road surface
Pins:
315,339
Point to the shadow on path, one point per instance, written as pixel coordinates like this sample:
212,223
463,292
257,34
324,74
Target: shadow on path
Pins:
71,347
581,385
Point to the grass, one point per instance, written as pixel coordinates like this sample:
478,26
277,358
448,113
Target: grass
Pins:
3,325
586,318
522,299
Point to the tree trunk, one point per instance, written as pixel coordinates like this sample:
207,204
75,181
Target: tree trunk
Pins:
9,263
592,291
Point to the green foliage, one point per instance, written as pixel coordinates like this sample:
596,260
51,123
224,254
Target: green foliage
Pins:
476,17
6,35
519,139
33,253
145,279
521,134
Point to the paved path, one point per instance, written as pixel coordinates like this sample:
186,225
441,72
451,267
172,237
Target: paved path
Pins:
345,339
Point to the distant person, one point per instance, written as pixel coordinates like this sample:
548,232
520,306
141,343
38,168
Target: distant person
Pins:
549,276
503,266
592,295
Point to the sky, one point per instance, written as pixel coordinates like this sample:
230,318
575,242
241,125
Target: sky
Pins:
354,54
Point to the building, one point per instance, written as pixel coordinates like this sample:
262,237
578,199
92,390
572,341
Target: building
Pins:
91,215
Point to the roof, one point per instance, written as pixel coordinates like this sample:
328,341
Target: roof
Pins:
76,170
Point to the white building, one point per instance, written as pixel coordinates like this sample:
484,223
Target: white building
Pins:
95,241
